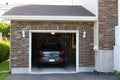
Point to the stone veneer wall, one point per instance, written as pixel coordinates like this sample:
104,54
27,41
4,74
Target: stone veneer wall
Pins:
108,14
20,46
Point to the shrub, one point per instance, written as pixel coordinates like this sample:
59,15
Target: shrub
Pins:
4,50
117,74
5,29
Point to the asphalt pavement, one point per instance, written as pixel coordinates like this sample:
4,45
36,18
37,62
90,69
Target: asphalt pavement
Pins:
75,76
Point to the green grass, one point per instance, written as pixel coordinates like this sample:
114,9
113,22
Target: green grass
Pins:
4,66
4,75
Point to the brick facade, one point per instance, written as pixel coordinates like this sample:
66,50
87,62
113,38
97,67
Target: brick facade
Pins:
20,46
107,22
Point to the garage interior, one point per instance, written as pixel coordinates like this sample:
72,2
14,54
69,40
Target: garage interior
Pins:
68,43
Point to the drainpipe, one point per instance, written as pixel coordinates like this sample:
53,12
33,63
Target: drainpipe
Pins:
117,28
117,43
118,12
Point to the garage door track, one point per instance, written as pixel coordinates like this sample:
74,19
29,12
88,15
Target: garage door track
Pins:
76,76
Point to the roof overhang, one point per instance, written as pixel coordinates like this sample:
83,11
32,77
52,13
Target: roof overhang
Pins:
50,18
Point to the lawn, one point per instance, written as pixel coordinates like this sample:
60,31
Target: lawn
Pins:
4,75
4,70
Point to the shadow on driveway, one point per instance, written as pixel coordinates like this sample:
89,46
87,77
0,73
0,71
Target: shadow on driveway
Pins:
76,76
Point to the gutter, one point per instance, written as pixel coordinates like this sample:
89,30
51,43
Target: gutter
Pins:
46,18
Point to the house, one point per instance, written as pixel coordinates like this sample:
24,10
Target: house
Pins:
85,29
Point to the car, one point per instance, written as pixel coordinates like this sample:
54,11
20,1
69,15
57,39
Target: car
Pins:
51,53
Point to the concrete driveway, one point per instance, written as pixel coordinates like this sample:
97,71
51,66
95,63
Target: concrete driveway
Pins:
76,76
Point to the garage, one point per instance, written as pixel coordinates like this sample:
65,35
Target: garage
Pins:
67,40
73,27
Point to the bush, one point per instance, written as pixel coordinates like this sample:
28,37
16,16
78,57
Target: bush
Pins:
117,74
4,50
5,29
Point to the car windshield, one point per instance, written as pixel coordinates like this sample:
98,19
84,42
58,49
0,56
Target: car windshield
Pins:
51,47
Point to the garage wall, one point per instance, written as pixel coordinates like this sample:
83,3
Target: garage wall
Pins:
20,46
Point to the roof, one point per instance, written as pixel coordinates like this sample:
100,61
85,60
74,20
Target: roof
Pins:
51,10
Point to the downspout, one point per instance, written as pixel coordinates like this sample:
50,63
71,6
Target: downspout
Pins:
117,28
117,43
118,12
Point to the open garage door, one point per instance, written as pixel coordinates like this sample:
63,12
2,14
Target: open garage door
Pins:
51,61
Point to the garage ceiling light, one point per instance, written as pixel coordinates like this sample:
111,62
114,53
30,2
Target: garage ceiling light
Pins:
52,33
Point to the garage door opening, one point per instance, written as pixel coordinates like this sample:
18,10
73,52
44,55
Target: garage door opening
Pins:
68,44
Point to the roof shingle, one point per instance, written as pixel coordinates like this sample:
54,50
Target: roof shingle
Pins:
49,10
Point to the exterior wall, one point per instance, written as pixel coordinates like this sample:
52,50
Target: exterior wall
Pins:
104,61
107,21
117,43
117,58
91,6
77,2
88,4
20,46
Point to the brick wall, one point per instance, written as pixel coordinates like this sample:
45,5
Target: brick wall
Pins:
107,22
20,46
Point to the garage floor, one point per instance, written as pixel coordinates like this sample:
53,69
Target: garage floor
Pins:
46,70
